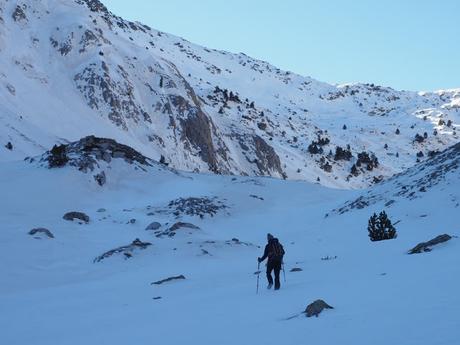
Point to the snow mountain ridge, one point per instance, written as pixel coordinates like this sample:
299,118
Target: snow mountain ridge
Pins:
72,69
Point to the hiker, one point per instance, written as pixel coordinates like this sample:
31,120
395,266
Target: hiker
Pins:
274,252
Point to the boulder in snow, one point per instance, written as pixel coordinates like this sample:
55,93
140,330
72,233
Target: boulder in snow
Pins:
76,215
41,232
315,308
426,246
153,226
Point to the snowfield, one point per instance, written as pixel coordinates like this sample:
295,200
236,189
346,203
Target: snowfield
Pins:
53,292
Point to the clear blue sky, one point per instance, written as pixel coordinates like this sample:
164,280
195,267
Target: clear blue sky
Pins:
405,44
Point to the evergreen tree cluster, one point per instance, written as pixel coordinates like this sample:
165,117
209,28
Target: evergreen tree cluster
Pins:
419,138
370,160
380,227
342,154
58,156
316,146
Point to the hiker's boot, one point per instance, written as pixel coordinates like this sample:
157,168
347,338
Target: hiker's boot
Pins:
269,286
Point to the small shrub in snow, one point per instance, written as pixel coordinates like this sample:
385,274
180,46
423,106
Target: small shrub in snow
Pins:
380,227
419,138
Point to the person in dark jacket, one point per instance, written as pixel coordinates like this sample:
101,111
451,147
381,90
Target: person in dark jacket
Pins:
274,251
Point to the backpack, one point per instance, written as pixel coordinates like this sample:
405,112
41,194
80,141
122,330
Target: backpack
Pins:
277,250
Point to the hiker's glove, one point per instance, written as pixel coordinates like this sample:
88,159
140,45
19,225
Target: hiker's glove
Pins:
258,260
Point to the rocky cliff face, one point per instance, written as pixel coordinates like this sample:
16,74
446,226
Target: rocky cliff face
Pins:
69,69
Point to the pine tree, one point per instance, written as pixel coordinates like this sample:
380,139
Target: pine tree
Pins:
58,156
380,228
372,228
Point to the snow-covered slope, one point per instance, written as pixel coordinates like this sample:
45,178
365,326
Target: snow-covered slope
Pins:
69,69
435,179
55,292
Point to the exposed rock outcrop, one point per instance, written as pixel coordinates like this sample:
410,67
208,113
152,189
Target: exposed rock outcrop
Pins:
127,250
86,154
159,282
426,246
268,162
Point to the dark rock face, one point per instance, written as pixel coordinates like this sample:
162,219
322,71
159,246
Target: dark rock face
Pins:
153,226
76,215
197,130
110,88
315,308
127,250
44,231
9,146
426,246
159,282
267,159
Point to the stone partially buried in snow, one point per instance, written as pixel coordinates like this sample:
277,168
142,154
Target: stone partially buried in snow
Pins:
127,250
76,216
41,232
153,226
159,282
315,308
426,246
296,269
181,225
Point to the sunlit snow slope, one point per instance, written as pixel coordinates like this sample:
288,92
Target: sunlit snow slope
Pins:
71,68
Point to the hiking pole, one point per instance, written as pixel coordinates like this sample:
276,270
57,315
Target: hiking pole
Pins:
258,273
284,273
